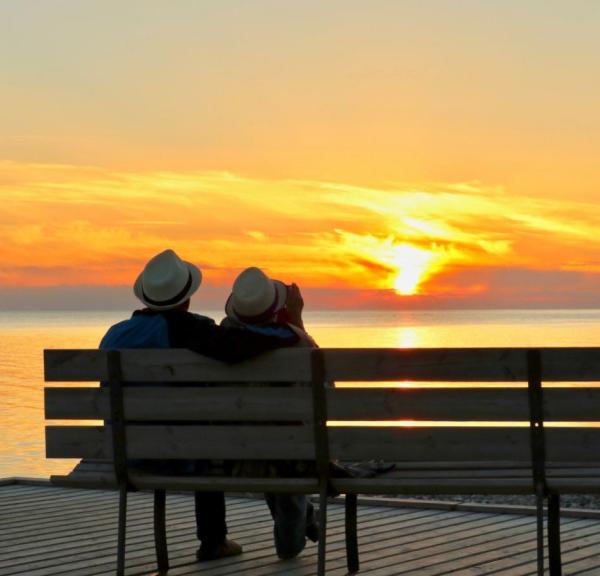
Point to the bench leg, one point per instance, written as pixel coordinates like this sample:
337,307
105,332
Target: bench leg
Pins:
322,531
122,530
554,535
160,531
351,536
540,531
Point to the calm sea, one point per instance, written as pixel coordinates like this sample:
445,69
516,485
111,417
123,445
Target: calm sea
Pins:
23,336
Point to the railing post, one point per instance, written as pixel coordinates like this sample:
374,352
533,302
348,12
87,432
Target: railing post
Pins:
321,448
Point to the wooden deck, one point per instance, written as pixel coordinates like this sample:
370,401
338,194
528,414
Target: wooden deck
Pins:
47,531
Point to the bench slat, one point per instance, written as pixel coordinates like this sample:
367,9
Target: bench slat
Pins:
100,475
458,404
435,486
144,481
461,444
343,364
463,486
441,486
459,364
252,442
295,404
169,442
290,485
175,365
183,403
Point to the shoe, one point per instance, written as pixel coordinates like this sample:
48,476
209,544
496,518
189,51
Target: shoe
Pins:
288,556
312,528
312,532
228,548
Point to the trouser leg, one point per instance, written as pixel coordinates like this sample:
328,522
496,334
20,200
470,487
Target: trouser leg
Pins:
210,518
291,513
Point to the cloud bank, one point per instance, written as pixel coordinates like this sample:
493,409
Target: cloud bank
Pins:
67,228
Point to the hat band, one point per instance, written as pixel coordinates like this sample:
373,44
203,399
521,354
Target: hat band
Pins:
170,301
259,317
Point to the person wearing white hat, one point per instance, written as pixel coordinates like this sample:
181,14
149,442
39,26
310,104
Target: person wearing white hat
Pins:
262,303
165,287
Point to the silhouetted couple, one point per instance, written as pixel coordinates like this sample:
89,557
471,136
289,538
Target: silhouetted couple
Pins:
261,314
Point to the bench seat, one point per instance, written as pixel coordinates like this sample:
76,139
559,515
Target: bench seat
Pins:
501,430
435,478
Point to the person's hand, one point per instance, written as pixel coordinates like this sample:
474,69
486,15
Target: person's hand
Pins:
294,304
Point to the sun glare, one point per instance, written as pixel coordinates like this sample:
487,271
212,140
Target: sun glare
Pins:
413,264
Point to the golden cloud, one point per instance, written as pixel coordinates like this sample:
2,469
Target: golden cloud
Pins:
102,226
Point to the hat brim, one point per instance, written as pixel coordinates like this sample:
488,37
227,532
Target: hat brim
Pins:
281,292
196,277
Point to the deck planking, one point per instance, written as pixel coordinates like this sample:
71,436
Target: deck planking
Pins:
50,531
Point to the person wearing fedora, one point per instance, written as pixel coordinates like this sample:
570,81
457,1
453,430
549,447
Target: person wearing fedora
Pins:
165,287
261,303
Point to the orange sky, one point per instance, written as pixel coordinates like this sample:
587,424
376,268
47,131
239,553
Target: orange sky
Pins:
381,154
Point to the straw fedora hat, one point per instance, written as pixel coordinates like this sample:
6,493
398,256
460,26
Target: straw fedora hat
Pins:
255,297
166,281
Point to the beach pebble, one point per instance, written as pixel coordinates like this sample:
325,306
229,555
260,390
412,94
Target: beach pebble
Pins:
583,501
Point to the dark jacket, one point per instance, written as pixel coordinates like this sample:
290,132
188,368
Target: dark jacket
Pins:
179,329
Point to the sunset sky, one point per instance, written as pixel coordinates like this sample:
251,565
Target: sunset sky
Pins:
381,153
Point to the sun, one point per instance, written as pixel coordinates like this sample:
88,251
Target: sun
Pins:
413,265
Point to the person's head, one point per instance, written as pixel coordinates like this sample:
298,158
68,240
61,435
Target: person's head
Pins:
256,299
167,282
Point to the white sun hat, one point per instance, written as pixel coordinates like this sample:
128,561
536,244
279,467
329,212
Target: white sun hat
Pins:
255,297
167,281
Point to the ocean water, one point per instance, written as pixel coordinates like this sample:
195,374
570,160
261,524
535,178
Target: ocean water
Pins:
24,335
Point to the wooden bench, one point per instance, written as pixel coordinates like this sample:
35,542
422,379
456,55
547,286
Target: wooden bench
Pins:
170,417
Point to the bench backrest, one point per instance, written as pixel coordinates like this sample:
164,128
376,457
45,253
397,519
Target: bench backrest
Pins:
166,417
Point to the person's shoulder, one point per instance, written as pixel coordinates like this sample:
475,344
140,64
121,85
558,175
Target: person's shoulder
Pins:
274,329
305,340
277,330
143,328
203,319
189,318
228,322
184,324
119,326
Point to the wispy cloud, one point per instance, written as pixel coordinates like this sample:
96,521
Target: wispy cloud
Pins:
84,225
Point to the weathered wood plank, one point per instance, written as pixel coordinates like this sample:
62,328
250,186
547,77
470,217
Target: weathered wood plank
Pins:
83,559
169,442
460,404
172,403
520,561
434,364
182,526
460,364
421,554
390,540
176,365
461,444
448,365
424,443
74,522
434,486
224,484
460,485
512,545
346,443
